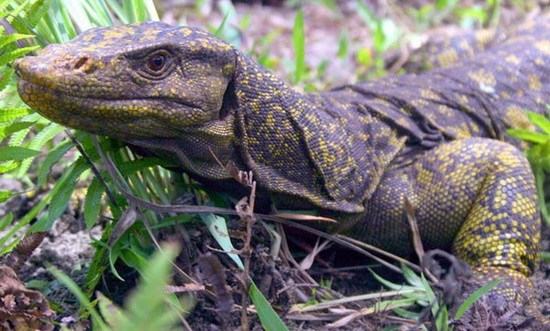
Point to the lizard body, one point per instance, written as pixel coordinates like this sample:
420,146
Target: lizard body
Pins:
353,153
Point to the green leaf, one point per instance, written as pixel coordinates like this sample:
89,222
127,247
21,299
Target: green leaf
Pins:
5,195
53,157
16,153
112,313
7,114
343,45
539,184
470,15
364,57
472,298
37,11
151,10
442,319
113,256
299,44
19,7
22,222
389,284
18,138
10,56
411,277
131,167
8,166
268,317
134,257
406,313
61,194
92,203
445,4
227,30
540,120
220,29
6,220
218,229
366,15
6,75
77,292
38,141
529,136
390,35
14,127
68,25
3,11
79,12
147,307
5,40
139,14
173,220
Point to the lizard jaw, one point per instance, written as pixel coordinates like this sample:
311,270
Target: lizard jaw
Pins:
130,118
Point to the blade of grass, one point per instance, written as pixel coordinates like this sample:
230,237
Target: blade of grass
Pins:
218,228
476,295
16,153
298,42
77,292
268,317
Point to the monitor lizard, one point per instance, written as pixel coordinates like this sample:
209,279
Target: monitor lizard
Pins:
354,153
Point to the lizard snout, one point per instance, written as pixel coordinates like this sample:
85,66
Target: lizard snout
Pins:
16,68
23,67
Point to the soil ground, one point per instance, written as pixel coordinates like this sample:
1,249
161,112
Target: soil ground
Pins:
68,246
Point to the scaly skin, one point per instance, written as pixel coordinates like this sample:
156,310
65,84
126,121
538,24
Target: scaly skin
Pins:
353,153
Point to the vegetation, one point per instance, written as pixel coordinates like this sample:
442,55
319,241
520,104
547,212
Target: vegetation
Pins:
31,147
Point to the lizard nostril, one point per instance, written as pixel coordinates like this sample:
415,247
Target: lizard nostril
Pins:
82,61
85,64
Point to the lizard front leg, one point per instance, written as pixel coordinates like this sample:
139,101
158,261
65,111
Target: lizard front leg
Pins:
475,197
491,184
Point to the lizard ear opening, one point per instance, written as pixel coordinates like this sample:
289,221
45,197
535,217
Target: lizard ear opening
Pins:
229,103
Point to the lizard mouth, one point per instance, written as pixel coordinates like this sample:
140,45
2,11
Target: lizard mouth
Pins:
141,117
26,86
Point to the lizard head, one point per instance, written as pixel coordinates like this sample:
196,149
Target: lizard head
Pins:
150,80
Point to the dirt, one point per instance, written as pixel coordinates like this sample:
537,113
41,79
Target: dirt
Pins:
68,245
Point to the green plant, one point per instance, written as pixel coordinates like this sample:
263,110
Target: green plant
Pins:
486,14
26,137
420,292
25,134
385,35
298,41
538,155
147,308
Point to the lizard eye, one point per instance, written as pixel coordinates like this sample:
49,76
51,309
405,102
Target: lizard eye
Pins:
157,64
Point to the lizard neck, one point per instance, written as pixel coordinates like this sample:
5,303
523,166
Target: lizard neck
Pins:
322,149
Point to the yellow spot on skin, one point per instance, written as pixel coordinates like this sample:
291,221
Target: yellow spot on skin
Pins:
483,77
428,94
447,58
113,34
185,32
483,37
543,46
513,59
463,132
534,83
515,117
